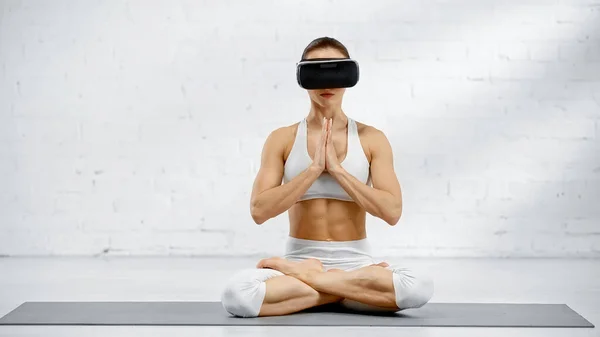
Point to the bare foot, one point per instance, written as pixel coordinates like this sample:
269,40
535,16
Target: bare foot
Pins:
295,269
380,264
266,263
313,265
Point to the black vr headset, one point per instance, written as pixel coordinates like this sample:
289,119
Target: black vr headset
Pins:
327,73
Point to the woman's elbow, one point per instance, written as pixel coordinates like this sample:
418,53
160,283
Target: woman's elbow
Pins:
257,217
392,220
394,215
257,213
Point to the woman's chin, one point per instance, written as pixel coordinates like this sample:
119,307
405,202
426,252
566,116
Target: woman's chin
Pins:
329,103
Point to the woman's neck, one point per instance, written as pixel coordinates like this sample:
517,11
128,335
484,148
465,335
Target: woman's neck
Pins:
317,113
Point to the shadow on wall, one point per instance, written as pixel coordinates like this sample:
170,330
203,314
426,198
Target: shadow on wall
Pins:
491,98
511,164
497,111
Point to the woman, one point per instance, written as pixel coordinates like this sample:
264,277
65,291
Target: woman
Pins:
327,163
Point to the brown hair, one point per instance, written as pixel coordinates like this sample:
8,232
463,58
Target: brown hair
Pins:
325,42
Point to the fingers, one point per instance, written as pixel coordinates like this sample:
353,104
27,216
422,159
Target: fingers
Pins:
324,137
324,133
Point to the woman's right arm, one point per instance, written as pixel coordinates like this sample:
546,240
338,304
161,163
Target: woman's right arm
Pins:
269,197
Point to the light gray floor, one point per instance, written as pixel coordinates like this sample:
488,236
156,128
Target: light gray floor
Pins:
574,282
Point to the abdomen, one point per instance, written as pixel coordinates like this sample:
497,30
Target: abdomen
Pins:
327,220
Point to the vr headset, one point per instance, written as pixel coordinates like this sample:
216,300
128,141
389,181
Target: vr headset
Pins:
327,73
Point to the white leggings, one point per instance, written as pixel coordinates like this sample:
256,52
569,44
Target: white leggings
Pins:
244,293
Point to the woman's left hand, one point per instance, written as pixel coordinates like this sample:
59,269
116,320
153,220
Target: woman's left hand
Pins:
331,160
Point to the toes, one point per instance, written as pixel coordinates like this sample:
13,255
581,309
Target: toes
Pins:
314,263
266,263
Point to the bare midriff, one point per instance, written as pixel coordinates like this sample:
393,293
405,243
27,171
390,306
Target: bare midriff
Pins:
327,220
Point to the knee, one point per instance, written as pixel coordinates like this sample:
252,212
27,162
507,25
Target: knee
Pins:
244,293
412,290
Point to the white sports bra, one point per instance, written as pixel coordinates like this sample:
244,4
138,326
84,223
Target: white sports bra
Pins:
326,186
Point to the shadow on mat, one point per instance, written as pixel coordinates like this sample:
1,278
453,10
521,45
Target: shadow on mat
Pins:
336,308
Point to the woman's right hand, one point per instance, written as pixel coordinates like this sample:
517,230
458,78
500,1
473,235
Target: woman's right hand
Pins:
320,150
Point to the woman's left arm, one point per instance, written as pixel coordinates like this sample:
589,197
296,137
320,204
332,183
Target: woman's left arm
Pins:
384,199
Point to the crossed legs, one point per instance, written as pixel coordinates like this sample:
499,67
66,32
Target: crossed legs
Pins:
371,285
286,294
280,287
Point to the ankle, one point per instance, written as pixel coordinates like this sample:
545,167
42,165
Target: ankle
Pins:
324,298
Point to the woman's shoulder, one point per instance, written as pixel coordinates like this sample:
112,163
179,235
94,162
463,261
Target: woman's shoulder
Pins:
367,130
285,131
282,137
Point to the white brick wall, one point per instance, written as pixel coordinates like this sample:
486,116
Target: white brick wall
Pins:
135,128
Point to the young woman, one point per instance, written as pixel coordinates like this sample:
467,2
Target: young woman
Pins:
334,171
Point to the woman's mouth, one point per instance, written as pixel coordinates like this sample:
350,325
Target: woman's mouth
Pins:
327,95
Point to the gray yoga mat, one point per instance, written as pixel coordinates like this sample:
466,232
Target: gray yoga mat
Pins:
212,313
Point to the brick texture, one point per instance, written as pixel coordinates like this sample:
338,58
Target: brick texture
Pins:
129,128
